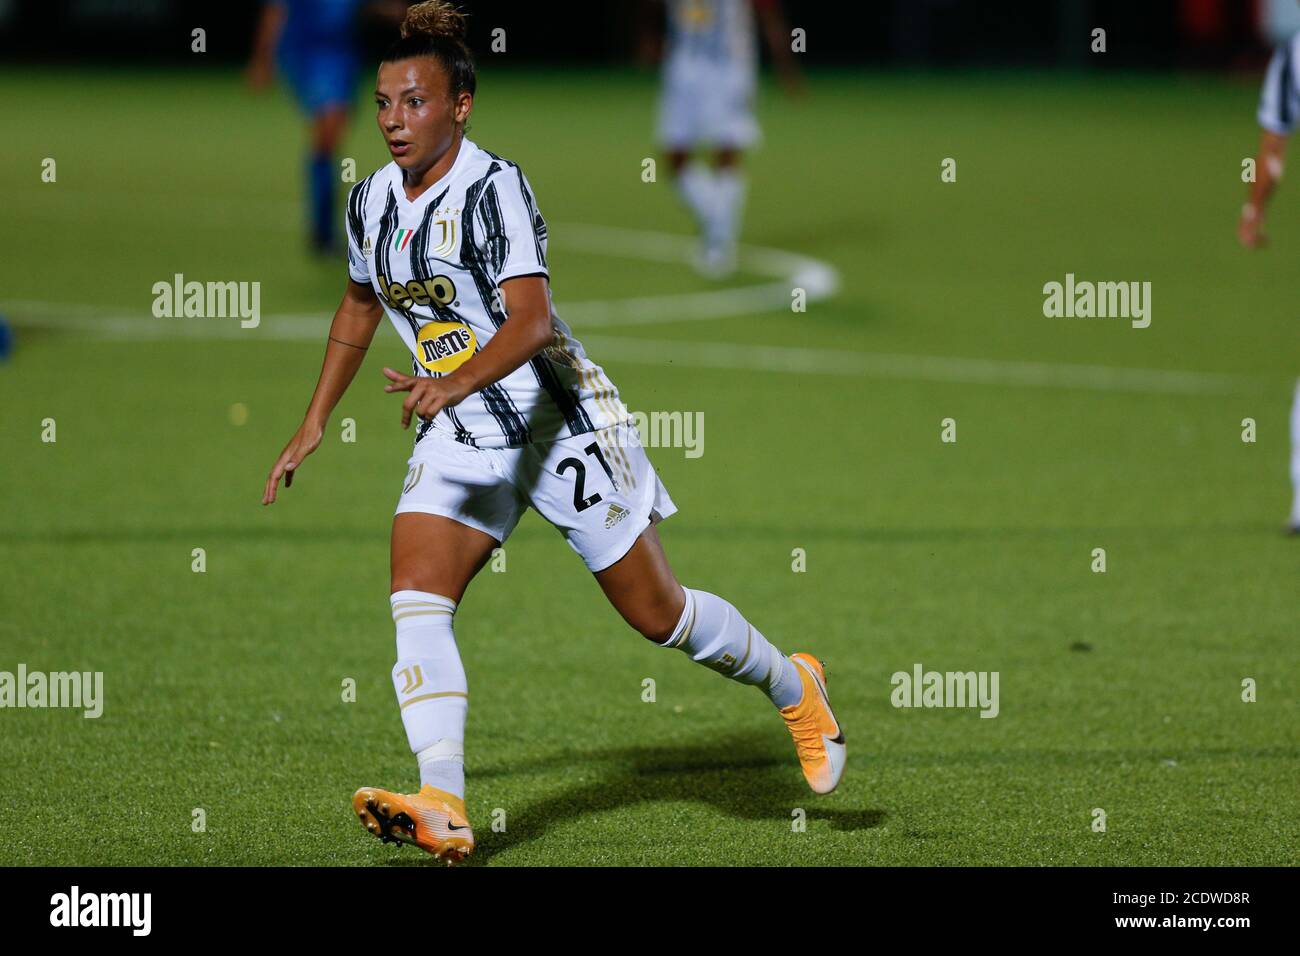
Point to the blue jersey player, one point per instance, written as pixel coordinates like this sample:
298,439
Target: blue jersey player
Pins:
314,43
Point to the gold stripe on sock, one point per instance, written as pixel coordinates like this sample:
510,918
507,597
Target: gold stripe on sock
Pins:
773,656
441,693
749,639
398,617
689,625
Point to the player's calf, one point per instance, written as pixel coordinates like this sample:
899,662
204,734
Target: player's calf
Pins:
714,633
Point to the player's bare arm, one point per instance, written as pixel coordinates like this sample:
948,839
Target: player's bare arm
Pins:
776,33
350,335
650,29
525,333
261,65
1268,173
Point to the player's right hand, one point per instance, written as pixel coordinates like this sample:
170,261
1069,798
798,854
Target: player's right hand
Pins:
1250,228
305,441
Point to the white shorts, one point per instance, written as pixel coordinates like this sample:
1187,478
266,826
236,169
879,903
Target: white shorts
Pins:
703,104
599,489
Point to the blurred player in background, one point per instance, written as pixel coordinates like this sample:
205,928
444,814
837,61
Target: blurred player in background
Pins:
315,44
710,71
1279,110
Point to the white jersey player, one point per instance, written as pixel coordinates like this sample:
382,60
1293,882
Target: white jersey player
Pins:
449,243
710,72
1279,112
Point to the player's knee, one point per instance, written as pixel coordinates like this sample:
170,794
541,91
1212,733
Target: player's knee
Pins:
403,580
409,582
328,129
657,629
325,142
660,623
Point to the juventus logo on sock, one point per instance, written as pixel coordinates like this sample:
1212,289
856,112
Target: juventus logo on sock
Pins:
414,678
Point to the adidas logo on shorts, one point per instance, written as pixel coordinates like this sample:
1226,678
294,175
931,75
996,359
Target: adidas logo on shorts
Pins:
616,514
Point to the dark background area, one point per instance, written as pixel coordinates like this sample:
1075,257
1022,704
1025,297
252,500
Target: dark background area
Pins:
1145,34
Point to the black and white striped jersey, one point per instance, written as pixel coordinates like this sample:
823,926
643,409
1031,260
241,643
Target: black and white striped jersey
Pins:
1279,100
437,264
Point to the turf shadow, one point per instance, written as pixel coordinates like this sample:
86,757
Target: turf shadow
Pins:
740,776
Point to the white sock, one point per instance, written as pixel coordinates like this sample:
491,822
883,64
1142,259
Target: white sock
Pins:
729,203
696,186
431,689
716,635
1295,455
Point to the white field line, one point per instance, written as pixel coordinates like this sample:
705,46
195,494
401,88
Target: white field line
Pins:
693,354
789,270
918,368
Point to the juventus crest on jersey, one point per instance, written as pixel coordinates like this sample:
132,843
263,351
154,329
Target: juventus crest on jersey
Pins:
437,264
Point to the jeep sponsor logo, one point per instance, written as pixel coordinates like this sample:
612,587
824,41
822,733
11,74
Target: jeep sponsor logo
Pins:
439,290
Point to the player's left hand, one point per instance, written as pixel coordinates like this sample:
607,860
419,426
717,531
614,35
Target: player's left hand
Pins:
428,396
1250,228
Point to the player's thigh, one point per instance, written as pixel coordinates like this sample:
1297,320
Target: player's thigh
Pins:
601,492
643,589
437,554
727,113
678,123
456,505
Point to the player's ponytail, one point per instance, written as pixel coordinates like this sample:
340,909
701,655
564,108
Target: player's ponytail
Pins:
435,28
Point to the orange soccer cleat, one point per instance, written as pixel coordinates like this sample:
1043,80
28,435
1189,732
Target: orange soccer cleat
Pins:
432,819
818,738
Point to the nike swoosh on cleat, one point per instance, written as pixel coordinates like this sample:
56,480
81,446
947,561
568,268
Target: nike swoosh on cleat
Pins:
452,826
821,689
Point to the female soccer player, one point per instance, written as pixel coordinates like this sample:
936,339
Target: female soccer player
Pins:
316,47
710,73
447,241
1278,114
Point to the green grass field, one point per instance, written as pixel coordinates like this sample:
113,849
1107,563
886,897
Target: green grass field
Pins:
1119,691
